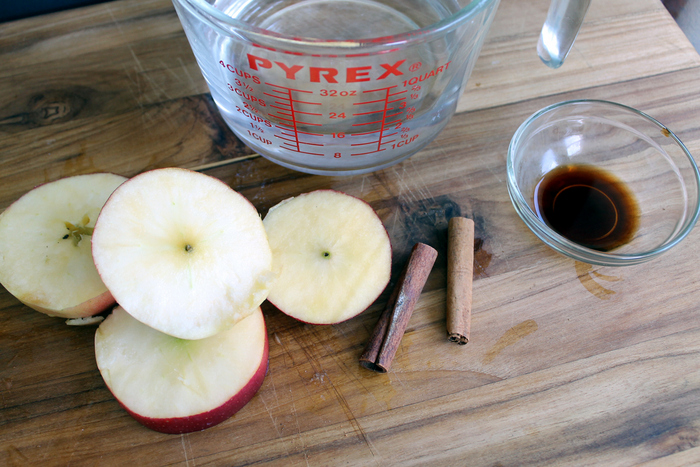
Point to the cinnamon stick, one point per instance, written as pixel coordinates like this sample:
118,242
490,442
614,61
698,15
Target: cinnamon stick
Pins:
460,270
386,337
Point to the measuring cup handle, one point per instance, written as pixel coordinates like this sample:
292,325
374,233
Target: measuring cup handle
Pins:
560,30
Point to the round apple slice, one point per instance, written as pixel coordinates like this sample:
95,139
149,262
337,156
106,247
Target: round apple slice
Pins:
331,255
45,257
174,385
182,252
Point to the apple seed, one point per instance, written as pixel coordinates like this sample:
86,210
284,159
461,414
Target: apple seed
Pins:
76,232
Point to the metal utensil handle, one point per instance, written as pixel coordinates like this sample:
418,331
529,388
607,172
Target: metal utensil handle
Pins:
560,30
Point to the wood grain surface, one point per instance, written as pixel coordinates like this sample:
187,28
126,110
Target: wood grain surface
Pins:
568,364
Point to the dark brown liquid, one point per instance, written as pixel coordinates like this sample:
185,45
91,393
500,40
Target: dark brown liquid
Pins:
587,205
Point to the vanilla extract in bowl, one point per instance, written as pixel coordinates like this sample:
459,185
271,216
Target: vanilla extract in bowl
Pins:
588,205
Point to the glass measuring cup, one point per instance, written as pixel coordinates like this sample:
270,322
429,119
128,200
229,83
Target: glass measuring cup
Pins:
336,87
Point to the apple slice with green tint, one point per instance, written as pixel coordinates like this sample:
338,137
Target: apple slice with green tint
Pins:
174,385
182,252
331,255
45,248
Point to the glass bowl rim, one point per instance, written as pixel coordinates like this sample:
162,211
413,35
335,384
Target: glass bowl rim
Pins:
562,244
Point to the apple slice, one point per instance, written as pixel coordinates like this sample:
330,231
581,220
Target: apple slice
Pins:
331,254
45,256
182,252
173,385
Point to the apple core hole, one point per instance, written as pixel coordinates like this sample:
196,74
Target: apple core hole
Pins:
188,248
76,231
326,254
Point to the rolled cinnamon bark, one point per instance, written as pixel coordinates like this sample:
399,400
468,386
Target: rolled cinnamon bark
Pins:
386,337
460,270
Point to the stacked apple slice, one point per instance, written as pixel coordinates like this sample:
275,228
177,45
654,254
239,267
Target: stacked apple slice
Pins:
188,261
182,252
174,385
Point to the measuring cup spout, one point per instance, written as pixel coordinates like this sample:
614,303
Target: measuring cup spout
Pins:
560,30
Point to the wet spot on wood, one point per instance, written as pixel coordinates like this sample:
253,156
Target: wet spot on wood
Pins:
510,337
482,258
423,221
589,279
225,144
428,220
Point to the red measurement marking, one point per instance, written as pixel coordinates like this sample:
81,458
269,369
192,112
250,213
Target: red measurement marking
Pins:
365,153
368,102
309,113
368,123
278,91
284,126
295,122
287,112
304,152
290,100
365,133
288,88
386,113
368,113
294,141
299,112
372,142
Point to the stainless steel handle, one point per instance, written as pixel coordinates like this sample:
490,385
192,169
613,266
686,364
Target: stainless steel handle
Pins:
560,30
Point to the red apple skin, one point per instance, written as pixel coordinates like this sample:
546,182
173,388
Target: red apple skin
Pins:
201,421
90,307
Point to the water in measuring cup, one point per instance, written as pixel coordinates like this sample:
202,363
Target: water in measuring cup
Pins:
339,19
335,114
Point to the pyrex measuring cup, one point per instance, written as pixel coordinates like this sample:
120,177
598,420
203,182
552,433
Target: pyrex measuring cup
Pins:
336,86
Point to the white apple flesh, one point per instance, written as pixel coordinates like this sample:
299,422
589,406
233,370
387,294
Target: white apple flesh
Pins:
331,254
173,385
45,248
182,252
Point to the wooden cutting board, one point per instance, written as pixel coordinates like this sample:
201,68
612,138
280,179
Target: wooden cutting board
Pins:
569,364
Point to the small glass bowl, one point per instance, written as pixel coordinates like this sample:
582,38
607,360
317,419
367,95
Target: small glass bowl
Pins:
641,152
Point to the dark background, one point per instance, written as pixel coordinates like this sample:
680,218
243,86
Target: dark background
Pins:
685,12
15,9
